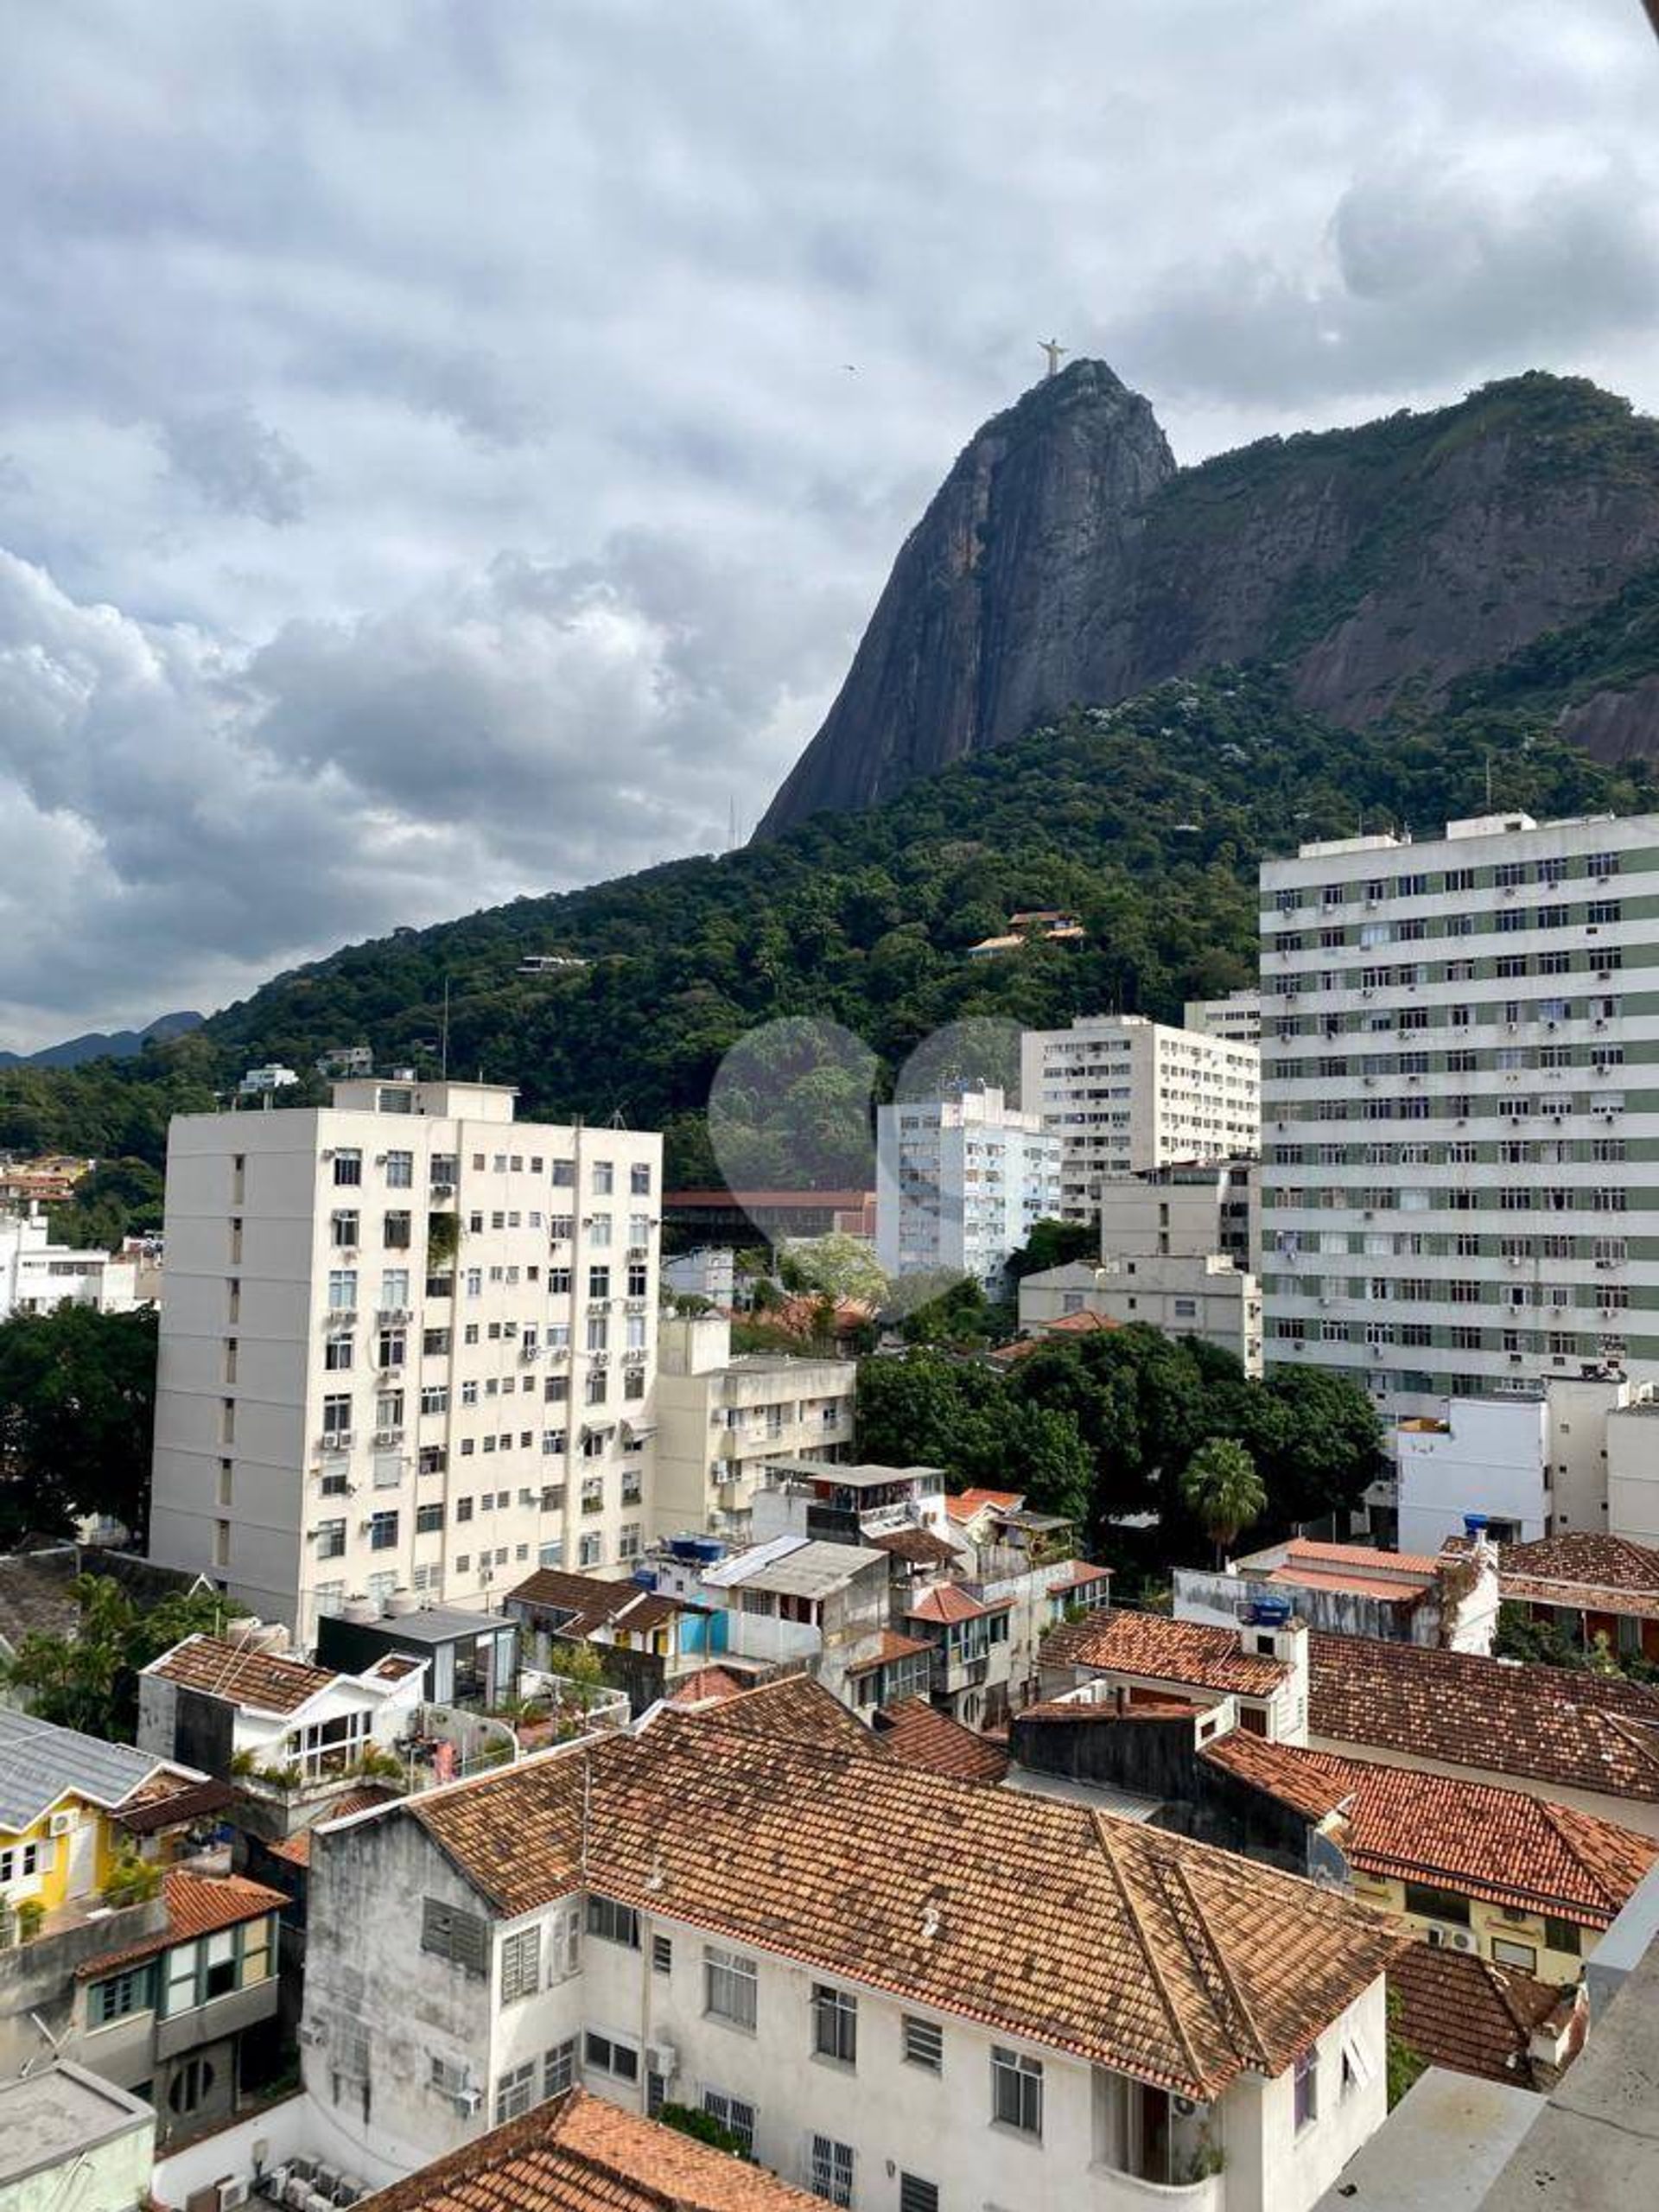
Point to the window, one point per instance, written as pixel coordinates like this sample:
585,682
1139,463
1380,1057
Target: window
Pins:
337,1355
448,1932
559,2068
613,1922
924,2044
599,1281
342,1230
661,1955
348,1167
398,1233
1016,2091
383,1531
1307,2089
400,1170
1563,1935
1507,1952
834,2024
429,1520
733,2113
18,1861
832,2170
916,2195
611,2056
728,1986
521,1967
604,1177
515,2092
331,1539
337,1414
122,1993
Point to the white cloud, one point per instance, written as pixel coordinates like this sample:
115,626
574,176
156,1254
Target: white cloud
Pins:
516,511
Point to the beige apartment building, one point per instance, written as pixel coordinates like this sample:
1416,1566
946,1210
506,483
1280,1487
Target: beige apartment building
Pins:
408,1348
724,1418
1124,1094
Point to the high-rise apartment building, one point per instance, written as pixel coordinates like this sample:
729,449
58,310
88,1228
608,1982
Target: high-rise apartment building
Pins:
959,1183
408,1346
1124,1094
1237,1016
1460,1188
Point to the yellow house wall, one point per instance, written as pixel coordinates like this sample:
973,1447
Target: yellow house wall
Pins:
1487,1922
50,1884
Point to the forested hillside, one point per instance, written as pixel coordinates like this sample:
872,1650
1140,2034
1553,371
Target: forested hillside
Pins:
1148,820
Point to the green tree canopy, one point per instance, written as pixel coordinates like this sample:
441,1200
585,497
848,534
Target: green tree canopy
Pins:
1222,1489
89,1679
77,1410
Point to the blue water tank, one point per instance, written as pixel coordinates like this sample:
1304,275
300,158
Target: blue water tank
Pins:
645,1577
1268,1613
1474,1523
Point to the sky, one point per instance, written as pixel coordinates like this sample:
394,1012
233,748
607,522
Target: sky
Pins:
448,449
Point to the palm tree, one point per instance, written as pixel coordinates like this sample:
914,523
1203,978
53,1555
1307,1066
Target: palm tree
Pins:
1223,1490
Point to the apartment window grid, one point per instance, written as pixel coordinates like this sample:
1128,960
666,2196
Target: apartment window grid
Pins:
1542,1076
831,2169
730,1985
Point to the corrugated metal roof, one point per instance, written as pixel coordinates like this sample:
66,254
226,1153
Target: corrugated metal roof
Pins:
40,1761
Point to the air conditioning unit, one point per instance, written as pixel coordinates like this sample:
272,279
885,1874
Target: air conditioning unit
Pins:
1450,1939
231,2194
312,2032
60,1824
662,2058
467,2101
443,1189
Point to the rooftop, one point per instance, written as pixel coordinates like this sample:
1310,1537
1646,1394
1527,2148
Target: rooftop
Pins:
918,1736
58,2113
1459,2011
1156,1649
793,1566
866,1476
1546,1723
950,1602
1601,1573
582,2153
969,1504
197,1905
39,1763
264,1681
591,1601
888,1647
430,1624
1161,1957
1505,1846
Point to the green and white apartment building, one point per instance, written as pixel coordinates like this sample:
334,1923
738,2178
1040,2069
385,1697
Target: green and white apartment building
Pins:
1461,1107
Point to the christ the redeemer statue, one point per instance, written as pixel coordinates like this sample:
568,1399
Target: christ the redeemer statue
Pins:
1053,348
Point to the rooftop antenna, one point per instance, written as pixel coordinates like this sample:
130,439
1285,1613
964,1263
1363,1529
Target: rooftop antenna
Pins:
1054,350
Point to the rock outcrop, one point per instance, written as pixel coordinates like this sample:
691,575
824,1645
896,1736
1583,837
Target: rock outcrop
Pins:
1067,560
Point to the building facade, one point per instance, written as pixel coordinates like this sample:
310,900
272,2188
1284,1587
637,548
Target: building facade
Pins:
1237,1016
36,1275
1123,1094
723,1418
1458,1197
408,1346
960,1182
1206,1297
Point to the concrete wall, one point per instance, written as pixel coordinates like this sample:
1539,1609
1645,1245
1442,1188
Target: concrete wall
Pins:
1488,1455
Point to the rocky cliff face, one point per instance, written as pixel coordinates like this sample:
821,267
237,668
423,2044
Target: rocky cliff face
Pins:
1065,559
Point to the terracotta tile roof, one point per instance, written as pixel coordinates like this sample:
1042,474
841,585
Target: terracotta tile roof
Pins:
920,1546
1548,1724
918,1736
169,1805
1078,1575
262,1680
967,1505
794,1710
951,1604
889,1646
1391,1589
1161,1957
197,1905
1148,1706
582,2154
1503,1845
1601,1574
1150,1645
1068,1325
1459,2011
707,1687
1306,1551
594,1602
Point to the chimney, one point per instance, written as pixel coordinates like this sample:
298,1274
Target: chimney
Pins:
1466,1577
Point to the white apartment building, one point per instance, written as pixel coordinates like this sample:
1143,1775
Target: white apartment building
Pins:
724,1418
751,1910
1458,1197
959,1183
1188,1295
36,1275
1124,1094
408,1346
1238,1017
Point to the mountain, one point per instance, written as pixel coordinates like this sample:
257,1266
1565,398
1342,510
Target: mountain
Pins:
103,1045
1066,559
1147,819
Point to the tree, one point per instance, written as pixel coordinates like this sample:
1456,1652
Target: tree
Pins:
77,1409
1053,1244
118,1198
1222,1489
836,1266
89,1679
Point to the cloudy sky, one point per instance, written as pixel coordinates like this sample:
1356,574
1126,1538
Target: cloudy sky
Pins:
430,465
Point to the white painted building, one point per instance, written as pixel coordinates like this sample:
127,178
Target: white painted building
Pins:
724,1417
1486,1455
960,1182
1204,1296
1633,1472
1123,1094
1457,1197
37,1275
752,1912
1237,1017
408,1346
223,1700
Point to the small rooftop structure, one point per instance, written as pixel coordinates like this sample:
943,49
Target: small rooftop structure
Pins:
62,2117
794,1567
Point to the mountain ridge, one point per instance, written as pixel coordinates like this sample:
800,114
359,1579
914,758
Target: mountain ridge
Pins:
1066,559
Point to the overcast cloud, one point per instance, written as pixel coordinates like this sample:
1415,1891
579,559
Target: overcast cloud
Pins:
430,465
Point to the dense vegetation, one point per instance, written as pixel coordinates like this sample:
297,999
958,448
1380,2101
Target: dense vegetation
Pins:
1108,1429
1148,820
77,1410
89,1679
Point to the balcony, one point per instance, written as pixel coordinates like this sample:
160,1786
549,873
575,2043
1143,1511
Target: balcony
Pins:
219,2016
